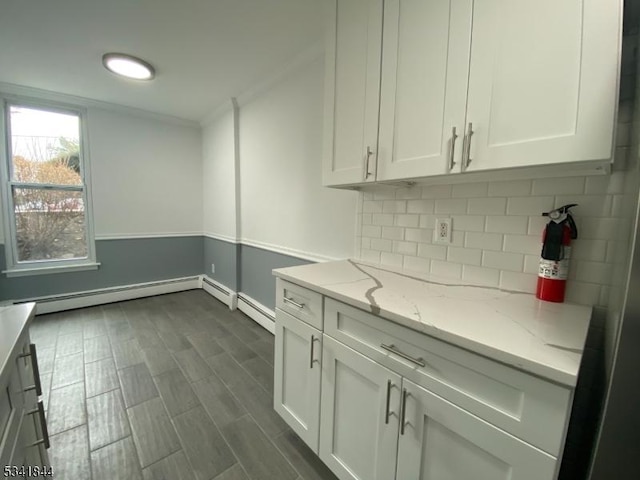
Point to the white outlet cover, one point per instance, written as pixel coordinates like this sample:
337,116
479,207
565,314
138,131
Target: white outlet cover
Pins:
442,231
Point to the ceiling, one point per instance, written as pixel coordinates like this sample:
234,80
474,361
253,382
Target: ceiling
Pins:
204,51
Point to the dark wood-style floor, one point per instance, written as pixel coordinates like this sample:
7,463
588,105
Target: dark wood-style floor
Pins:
170,387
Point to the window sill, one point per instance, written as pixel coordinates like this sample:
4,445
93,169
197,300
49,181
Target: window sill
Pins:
24,272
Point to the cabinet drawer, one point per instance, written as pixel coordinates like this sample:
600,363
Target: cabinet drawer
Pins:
526,406
299,302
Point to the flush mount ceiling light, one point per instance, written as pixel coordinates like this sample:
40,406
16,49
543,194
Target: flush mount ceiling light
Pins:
128,66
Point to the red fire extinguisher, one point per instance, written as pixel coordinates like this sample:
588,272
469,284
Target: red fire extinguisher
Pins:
556,251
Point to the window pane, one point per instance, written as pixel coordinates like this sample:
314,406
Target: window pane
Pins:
50,224
45,146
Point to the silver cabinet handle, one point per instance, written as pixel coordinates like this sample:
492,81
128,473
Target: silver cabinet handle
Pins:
366,162
392,348
404,410
466,146
454,137
43,424
387,413
295,304
313,339
37,386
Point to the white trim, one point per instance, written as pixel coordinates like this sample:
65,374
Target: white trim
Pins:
291,252
224,238
129,236
220,291
77,267
263,316
217,113
88,298
12,89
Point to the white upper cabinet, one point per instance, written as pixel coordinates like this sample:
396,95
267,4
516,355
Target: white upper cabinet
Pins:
468,85
423,89
542,81
352,91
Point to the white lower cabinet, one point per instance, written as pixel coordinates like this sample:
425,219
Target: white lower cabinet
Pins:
298,354
441,441
359,414
376,401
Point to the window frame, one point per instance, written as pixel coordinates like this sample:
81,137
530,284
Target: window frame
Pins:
35,267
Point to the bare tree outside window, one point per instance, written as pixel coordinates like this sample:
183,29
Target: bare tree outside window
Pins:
47,186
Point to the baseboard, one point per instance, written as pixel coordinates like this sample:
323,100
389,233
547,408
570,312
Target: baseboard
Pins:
220,291
89,298
260,314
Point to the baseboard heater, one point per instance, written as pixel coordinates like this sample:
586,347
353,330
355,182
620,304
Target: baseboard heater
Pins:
259,308
55,303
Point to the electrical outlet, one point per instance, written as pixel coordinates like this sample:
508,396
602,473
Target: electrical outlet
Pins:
213,268
442,231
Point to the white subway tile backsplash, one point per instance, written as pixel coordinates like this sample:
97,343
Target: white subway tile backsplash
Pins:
553,186
393,233
446,269
487,206
531,264
420,206
497,230
371,206
468,256
527,244
506,224
593,272
420,235
436,191
371,231
484,241
417,264
394,206
451,205
391,259
587,249
481,275
588,205
381,244
383,219
407,220
514,188
405,248
467,190
437,252
520,282
529,205
467,223
504,261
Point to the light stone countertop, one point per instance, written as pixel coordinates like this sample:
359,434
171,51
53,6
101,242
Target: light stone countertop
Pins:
14,319
543,338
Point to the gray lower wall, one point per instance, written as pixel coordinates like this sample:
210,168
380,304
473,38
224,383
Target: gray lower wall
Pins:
256,279
226,257
123,262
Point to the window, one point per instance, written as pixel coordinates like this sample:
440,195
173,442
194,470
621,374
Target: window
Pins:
46,200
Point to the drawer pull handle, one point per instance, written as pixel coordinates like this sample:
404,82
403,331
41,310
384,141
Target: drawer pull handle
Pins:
387,413
311,360
295,304
43,423
392,348
454,137
36,369
466,146
404,410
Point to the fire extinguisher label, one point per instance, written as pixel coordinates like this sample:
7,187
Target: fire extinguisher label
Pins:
555,270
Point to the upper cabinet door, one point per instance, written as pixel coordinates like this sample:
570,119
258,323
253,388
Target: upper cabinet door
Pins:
542,81
352,91
425,66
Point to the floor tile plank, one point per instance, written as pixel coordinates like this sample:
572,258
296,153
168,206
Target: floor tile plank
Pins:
69,454
127,354
107,419
137,384
192,365
218,401
117,461
153,433
174,467
97,348
100,377
176,392
66,408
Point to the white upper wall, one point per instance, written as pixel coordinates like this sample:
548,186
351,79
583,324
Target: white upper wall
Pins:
218,177
146,175
283,203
